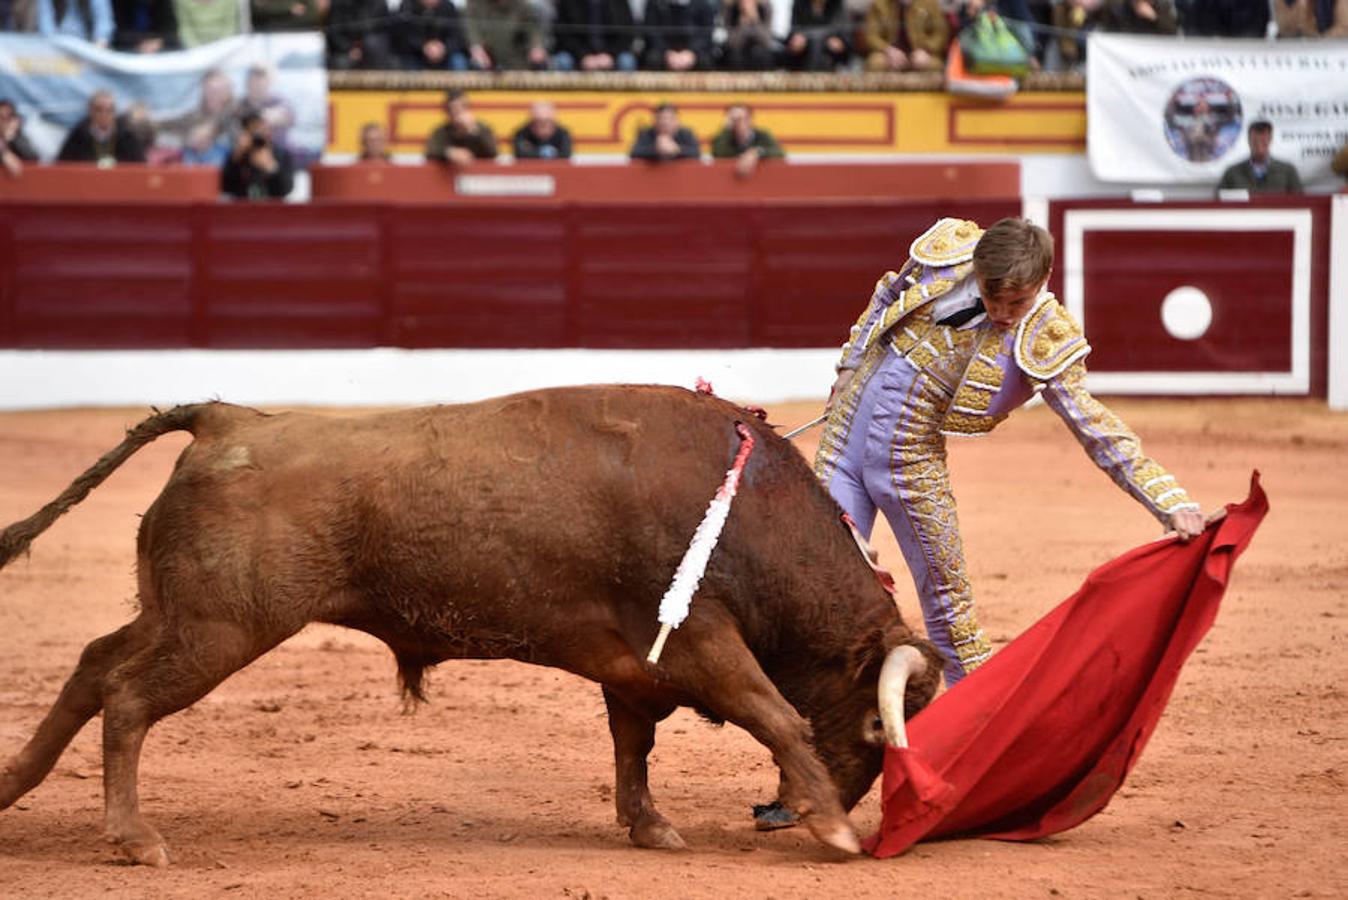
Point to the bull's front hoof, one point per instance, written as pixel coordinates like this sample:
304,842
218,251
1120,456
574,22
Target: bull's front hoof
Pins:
144,850
838,835
655,833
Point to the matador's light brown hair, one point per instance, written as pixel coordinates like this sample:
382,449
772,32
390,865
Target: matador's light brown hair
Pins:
1013,254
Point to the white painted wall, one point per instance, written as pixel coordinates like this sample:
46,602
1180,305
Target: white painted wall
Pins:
39,379
1338,304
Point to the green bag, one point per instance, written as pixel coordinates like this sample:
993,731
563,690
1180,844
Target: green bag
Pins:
990,48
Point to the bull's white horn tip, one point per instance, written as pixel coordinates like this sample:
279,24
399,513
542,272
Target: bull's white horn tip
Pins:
901,663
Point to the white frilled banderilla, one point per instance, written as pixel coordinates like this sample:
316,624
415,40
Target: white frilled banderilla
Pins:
901,664
677,600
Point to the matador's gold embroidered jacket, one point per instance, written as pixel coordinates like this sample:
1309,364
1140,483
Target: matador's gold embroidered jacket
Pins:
992,371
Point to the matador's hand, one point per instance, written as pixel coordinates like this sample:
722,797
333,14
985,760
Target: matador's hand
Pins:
839,385
1186,523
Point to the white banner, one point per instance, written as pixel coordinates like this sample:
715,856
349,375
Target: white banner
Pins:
190,100
1175,110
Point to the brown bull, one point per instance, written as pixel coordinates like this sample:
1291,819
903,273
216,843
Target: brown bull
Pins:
542,527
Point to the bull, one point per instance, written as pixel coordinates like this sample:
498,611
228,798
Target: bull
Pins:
542,527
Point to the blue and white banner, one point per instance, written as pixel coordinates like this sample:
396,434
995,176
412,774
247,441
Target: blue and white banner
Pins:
189,100
1175,110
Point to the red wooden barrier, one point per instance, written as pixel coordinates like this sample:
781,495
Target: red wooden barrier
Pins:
124,183
683,181
507,275
689,275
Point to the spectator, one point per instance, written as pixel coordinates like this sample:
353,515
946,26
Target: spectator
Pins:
678,35
541,137
373,144
260,99
741,141
205,145
206,133
1067,50
1311,18
463,138
905,35
204,21
1225,18
1261,173
10,161
289,15
144,26
594,36
749,44
18,15
88,20
14,144
258,168
1340,162
504,34
1139,16
100,138
665,140
818,40
137,120
429,35
360,34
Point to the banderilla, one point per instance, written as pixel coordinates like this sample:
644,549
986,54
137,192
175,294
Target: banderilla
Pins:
806,427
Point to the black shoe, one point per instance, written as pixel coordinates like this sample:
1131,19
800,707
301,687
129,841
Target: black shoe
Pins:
771,816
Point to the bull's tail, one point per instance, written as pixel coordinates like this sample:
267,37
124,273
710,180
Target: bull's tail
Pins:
16,538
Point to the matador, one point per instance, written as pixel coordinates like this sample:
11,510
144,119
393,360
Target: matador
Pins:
963,334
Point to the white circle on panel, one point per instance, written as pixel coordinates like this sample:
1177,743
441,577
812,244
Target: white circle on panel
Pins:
1186,313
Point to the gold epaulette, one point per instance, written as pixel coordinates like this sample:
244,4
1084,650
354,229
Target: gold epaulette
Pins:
1048,340
947,249
947,243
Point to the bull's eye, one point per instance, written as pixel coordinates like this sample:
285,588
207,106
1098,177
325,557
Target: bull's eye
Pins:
873,731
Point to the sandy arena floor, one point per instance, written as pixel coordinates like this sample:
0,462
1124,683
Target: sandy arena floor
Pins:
299,777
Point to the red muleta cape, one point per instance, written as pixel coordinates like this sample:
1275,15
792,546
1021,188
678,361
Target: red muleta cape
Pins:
1039,738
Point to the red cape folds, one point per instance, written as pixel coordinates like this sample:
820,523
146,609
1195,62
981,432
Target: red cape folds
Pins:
1037,740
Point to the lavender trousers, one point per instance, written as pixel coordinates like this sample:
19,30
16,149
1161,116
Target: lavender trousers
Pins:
883,449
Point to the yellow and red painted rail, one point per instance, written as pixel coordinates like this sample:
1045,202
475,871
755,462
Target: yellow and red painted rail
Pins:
606,122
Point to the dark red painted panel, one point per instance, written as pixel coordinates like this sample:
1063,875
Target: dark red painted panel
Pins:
99,277
819,262
1247,277
480,277
662,276
293,276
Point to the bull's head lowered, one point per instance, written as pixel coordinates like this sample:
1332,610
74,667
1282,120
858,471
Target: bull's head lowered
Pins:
859,704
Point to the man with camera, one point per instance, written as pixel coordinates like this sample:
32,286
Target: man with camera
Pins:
257,168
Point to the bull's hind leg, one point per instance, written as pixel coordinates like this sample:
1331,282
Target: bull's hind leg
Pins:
80,700
180,668
632,724
710,659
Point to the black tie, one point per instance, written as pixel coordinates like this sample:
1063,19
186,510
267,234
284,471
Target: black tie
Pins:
956,319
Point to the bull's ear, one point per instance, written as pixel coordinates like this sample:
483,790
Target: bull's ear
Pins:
867,654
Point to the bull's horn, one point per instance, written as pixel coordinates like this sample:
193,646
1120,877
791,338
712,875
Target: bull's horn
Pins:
901,663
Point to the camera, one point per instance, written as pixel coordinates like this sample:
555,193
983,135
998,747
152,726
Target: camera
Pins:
259,142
